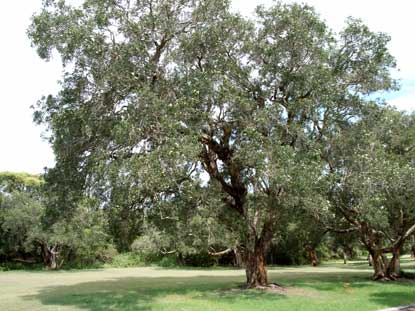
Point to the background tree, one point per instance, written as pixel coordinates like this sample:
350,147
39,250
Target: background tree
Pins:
19,211
28,235
372,185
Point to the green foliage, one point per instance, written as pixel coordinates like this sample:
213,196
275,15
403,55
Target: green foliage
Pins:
27,235
174,113
20,216
126,260
168,262
23,182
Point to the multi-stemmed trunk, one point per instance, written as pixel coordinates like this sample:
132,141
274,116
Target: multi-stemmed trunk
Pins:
50,256
385,269
379,264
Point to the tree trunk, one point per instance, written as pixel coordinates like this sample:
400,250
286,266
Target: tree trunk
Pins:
413,251
312,255
50,256
394,267
255,267
344,257
255,256
379,265
238,262
53,265
370,260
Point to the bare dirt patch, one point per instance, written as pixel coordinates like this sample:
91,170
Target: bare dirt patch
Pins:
275,289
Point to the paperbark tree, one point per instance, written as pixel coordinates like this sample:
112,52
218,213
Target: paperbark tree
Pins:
162,91
373,185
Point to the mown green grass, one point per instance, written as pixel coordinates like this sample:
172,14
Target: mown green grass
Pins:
332,286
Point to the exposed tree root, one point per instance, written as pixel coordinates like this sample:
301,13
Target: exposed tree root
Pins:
383,278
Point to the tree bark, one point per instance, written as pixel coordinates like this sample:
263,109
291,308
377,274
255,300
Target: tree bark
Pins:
255,256
238,262
370,260
50,256
394,267
312,255
379,265
53,264
255,267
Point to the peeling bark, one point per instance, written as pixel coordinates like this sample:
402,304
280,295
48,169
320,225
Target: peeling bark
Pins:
379,266
394,267
255,267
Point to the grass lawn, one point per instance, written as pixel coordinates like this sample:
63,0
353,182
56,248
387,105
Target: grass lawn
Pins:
331,286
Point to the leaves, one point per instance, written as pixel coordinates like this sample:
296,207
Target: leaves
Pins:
157,94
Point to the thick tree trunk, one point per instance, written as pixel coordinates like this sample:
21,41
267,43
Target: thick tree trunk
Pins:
379,265
255,267
255,257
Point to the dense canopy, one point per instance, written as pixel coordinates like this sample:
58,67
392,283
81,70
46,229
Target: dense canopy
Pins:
174,107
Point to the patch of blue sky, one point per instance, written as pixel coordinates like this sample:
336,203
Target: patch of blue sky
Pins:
402,99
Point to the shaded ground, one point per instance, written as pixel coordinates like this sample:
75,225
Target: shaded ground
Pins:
329,287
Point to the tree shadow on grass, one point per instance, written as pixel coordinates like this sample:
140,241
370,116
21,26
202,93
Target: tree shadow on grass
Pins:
154,293
143,293
395,298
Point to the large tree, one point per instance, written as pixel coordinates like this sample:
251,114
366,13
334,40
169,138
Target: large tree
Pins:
178,94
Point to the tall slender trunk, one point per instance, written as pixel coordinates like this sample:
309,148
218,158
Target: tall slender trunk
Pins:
238,262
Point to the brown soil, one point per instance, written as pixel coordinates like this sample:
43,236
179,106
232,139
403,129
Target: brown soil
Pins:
277,289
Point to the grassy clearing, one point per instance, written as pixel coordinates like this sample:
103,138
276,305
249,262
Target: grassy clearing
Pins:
332,286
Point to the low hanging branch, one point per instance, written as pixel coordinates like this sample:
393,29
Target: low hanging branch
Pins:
218,254
166,252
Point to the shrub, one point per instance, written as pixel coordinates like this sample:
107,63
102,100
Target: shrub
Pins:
126,260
